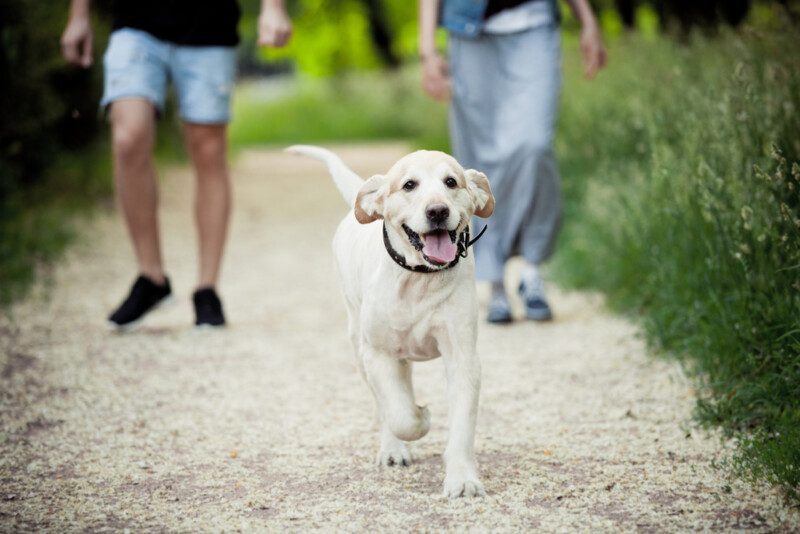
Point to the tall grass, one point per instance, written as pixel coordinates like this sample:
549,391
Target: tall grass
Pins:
683,184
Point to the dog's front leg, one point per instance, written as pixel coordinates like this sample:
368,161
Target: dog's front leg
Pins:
463,388
401,419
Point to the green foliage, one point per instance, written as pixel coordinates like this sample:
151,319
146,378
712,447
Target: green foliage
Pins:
333,36
683,190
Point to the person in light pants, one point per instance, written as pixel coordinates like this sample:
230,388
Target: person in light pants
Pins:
504,77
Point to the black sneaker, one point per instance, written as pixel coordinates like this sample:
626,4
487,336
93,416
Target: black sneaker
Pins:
207,308
144,297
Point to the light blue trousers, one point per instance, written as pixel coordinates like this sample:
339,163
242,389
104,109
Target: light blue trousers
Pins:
505,98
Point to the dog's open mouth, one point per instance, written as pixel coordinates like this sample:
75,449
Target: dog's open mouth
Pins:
439,247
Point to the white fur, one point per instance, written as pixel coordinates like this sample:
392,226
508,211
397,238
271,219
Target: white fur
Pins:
398,316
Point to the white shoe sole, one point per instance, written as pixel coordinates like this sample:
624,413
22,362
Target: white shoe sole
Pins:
205,327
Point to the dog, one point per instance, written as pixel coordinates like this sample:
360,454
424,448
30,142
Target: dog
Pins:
408,281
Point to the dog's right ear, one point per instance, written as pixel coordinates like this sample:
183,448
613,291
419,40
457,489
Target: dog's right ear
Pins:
369,201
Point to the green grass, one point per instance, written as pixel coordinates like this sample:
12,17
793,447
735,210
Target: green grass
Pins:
681,179
356,107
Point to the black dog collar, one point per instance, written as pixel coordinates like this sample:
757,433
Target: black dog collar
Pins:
464,243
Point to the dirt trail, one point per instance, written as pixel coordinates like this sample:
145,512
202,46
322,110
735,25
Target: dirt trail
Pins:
267,425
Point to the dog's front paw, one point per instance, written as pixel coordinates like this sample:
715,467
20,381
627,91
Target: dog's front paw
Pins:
394,454
456,486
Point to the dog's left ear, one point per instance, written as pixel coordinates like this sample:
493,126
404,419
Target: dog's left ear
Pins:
369,201
481,192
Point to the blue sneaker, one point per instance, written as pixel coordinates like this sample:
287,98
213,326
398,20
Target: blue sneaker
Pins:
534,299
499,310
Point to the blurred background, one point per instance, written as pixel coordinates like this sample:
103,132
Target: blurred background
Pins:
679,164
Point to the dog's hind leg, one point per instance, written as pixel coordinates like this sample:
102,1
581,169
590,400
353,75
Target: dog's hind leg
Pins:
390,380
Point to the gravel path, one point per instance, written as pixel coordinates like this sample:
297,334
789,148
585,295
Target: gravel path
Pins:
267,425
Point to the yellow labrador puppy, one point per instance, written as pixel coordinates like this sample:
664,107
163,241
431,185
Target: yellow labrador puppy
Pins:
407,277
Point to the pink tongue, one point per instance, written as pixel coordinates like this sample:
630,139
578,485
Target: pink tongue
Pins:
438,247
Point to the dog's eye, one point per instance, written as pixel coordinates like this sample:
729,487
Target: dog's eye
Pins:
409,185
450,182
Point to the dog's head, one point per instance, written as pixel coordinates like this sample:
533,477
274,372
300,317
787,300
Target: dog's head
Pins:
426,201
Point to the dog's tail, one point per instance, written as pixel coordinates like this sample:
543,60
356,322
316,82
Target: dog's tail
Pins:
346,180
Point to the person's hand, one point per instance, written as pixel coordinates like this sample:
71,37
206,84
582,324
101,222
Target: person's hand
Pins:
592,50
274,27
435,77
76,42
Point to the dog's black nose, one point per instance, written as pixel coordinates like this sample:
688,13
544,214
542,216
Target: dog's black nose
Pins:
437,213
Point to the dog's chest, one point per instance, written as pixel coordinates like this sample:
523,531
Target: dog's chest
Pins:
404,335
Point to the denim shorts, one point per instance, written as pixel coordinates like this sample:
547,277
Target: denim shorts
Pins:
138,65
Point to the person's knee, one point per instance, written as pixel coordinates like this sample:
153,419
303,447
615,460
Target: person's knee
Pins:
131,145
208,149
132,131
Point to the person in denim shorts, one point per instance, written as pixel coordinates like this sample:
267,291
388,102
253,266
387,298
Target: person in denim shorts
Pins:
193,45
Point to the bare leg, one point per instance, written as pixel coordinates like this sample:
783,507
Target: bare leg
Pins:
132,137
207,148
